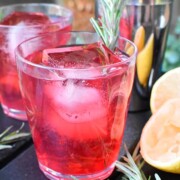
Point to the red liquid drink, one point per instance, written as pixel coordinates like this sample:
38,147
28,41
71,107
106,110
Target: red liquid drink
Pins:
15,28
76,106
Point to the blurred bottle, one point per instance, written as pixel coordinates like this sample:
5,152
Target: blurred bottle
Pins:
146,22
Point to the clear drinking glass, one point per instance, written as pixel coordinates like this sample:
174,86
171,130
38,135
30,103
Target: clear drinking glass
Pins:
147,22
19,22
76,95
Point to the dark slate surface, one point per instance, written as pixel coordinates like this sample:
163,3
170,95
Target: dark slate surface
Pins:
8,154
25,166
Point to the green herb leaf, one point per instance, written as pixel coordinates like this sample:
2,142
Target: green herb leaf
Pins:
132,166
5,132
13,138
7,137
107,26
5,147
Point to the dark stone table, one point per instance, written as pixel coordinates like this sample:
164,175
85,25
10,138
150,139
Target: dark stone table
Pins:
20,163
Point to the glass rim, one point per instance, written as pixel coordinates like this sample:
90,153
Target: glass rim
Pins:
23,60
60,7
152,2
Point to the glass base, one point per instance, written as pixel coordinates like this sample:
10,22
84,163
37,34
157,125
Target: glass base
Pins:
53,175
14,113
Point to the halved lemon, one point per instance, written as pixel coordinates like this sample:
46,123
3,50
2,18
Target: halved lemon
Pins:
160,138
165,88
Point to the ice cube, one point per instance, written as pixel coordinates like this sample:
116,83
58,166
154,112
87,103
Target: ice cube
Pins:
78,57
77,112
16,34
80,111
76,104
88,58
83,57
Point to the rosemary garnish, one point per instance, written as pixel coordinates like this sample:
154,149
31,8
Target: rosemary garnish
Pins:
132,166
107,26
7,138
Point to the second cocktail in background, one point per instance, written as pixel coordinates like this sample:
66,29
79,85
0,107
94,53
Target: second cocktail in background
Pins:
146,22
17,23
76,93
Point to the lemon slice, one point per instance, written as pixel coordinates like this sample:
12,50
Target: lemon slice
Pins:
139,41
139,38
160,138
144,61
165,88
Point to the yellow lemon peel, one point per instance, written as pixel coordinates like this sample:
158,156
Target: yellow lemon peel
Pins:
144,61
165,88
160,138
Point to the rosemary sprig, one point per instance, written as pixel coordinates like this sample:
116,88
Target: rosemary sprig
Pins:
107,26
132,166
7,138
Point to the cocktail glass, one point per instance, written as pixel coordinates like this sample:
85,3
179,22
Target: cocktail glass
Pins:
76,94
147,22
19,22
153,16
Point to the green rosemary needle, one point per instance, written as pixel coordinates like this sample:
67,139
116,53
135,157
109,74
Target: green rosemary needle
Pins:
107,26
132,166
7,137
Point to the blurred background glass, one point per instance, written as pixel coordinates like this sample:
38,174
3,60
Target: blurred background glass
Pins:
6,2
83,11
18,23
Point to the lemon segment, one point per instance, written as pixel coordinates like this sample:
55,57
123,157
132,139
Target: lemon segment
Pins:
139,38
144,61
160,138
139,41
